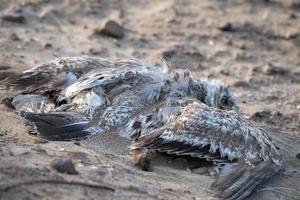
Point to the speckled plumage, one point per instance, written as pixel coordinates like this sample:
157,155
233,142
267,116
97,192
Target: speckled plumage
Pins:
157,107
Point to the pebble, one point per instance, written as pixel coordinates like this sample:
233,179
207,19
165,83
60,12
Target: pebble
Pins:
240,84
112,28
64,165
298,155
225,72
270,69
47,45
261,115
14,37
14,18
168,54
227,27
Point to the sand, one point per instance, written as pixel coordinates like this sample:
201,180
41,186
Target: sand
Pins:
251,45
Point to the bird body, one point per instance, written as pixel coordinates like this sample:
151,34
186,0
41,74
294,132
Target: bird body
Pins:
156,107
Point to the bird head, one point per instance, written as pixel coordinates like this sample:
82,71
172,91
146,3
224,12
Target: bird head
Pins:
226,100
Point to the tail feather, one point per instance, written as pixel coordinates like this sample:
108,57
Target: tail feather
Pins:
243,180
59,126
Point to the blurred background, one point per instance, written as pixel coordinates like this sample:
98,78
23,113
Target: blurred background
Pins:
251,45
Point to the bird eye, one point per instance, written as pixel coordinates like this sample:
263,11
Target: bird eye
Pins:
224,100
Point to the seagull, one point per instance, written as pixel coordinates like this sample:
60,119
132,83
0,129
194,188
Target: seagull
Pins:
158,108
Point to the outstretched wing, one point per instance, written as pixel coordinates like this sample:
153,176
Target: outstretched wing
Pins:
203,131
58,74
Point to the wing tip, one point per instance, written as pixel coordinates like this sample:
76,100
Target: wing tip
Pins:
57,126
243,180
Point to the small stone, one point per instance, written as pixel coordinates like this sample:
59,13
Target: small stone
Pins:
298,155
14,37
225,72
168,54
94,51
100,172
13,17
240,84
270,69
77,143
64,165
187,192
112,28
293,16
48,45
228,27
261,115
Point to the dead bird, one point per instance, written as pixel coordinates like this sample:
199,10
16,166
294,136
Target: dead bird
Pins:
158,108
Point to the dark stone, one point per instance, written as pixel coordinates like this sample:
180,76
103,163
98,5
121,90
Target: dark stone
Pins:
14,37
298,155
240,84
270,69
293,16
113,29
94,51
228,27
64,165
225,72
13,17
261,115
48,45
77,143
168,54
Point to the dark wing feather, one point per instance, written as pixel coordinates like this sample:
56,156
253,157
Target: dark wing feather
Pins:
59,126
156,142
239,182
56,75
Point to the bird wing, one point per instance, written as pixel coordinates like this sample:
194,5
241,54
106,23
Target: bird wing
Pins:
241,180
60,73
207,132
